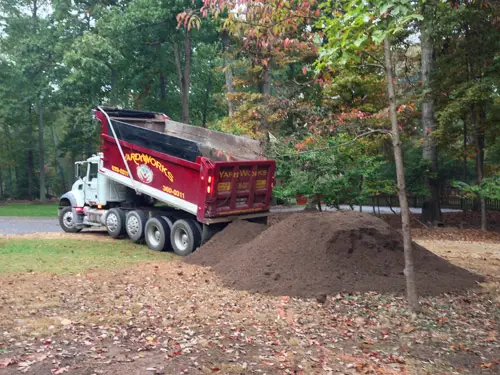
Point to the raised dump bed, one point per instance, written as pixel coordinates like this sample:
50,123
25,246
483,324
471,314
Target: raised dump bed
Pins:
152,167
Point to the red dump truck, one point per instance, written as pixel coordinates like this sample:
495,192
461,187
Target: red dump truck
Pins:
169,184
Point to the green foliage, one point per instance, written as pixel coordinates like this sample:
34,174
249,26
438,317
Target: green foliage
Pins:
489,188
336,170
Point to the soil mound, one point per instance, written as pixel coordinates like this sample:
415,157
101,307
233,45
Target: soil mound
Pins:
312,254
222,244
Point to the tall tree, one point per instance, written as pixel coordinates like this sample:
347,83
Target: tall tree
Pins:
356,25
431,211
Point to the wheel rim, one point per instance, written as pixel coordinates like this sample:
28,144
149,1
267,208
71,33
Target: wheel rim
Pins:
112,222
154,235
181,239
68,220
133,226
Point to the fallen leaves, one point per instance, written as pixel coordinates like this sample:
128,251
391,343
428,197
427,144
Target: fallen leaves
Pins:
489,365
7,362
124,318
60,370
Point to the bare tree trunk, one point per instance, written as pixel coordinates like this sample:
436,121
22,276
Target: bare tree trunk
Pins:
431,211
58,160
184,75
409,271
1,183
187,77
30,158
465,169
10,180
163,91
265,83
228,73
41,146
480,175
208,91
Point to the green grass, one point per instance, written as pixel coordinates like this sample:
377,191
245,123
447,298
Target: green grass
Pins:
29,210
62,256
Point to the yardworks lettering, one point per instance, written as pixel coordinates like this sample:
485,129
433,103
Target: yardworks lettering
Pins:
146,159
243,173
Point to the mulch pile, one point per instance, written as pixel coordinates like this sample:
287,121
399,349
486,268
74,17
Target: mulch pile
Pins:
225,242
313,254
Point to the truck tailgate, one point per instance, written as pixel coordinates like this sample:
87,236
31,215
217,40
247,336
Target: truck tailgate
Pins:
239,187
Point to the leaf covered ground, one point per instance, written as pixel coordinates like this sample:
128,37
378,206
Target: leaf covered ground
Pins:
167,317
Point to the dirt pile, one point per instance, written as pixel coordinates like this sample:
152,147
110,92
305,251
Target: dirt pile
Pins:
311,254
222,244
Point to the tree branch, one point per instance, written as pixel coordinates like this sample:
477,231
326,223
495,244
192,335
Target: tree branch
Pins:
374,58
372,131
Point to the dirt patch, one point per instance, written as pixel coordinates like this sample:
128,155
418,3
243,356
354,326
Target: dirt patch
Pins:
223,243
313,254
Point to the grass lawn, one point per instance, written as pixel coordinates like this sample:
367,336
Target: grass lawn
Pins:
29,210
63,256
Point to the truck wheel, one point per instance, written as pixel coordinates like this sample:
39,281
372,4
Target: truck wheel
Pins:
157,234
115,222
67,221
185,237
135,224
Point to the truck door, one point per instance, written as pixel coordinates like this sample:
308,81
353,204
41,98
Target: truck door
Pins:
90,185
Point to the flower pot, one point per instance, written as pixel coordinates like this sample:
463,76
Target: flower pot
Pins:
301,200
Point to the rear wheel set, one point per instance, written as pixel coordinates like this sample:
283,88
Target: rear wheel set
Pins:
161,233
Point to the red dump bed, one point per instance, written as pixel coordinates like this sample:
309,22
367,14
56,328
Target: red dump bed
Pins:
176,171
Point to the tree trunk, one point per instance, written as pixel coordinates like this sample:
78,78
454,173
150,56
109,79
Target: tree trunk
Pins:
11,182
184,75
30,157
163,91
431,211
41,146
187,77
114,88
228,73
208,90
9,185
409,272
265,83
465,169
480,175
1,183
58,160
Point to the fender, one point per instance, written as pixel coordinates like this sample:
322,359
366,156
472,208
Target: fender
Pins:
76,199
69,196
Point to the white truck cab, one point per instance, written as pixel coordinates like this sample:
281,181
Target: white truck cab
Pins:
84,206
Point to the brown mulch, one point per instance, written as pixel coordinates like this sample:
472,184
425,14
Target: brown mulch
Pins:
222,245
315,254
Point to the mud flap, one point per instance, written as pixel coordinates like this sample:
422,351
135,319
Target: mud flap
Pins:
209,230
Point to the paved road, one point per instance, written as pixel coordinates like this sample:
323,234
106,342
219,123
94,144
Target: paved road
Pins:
25,225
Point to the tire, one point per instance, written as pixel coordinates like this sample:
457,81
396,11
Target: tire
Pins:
115,222
67,220
135,223
185,237
157,234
